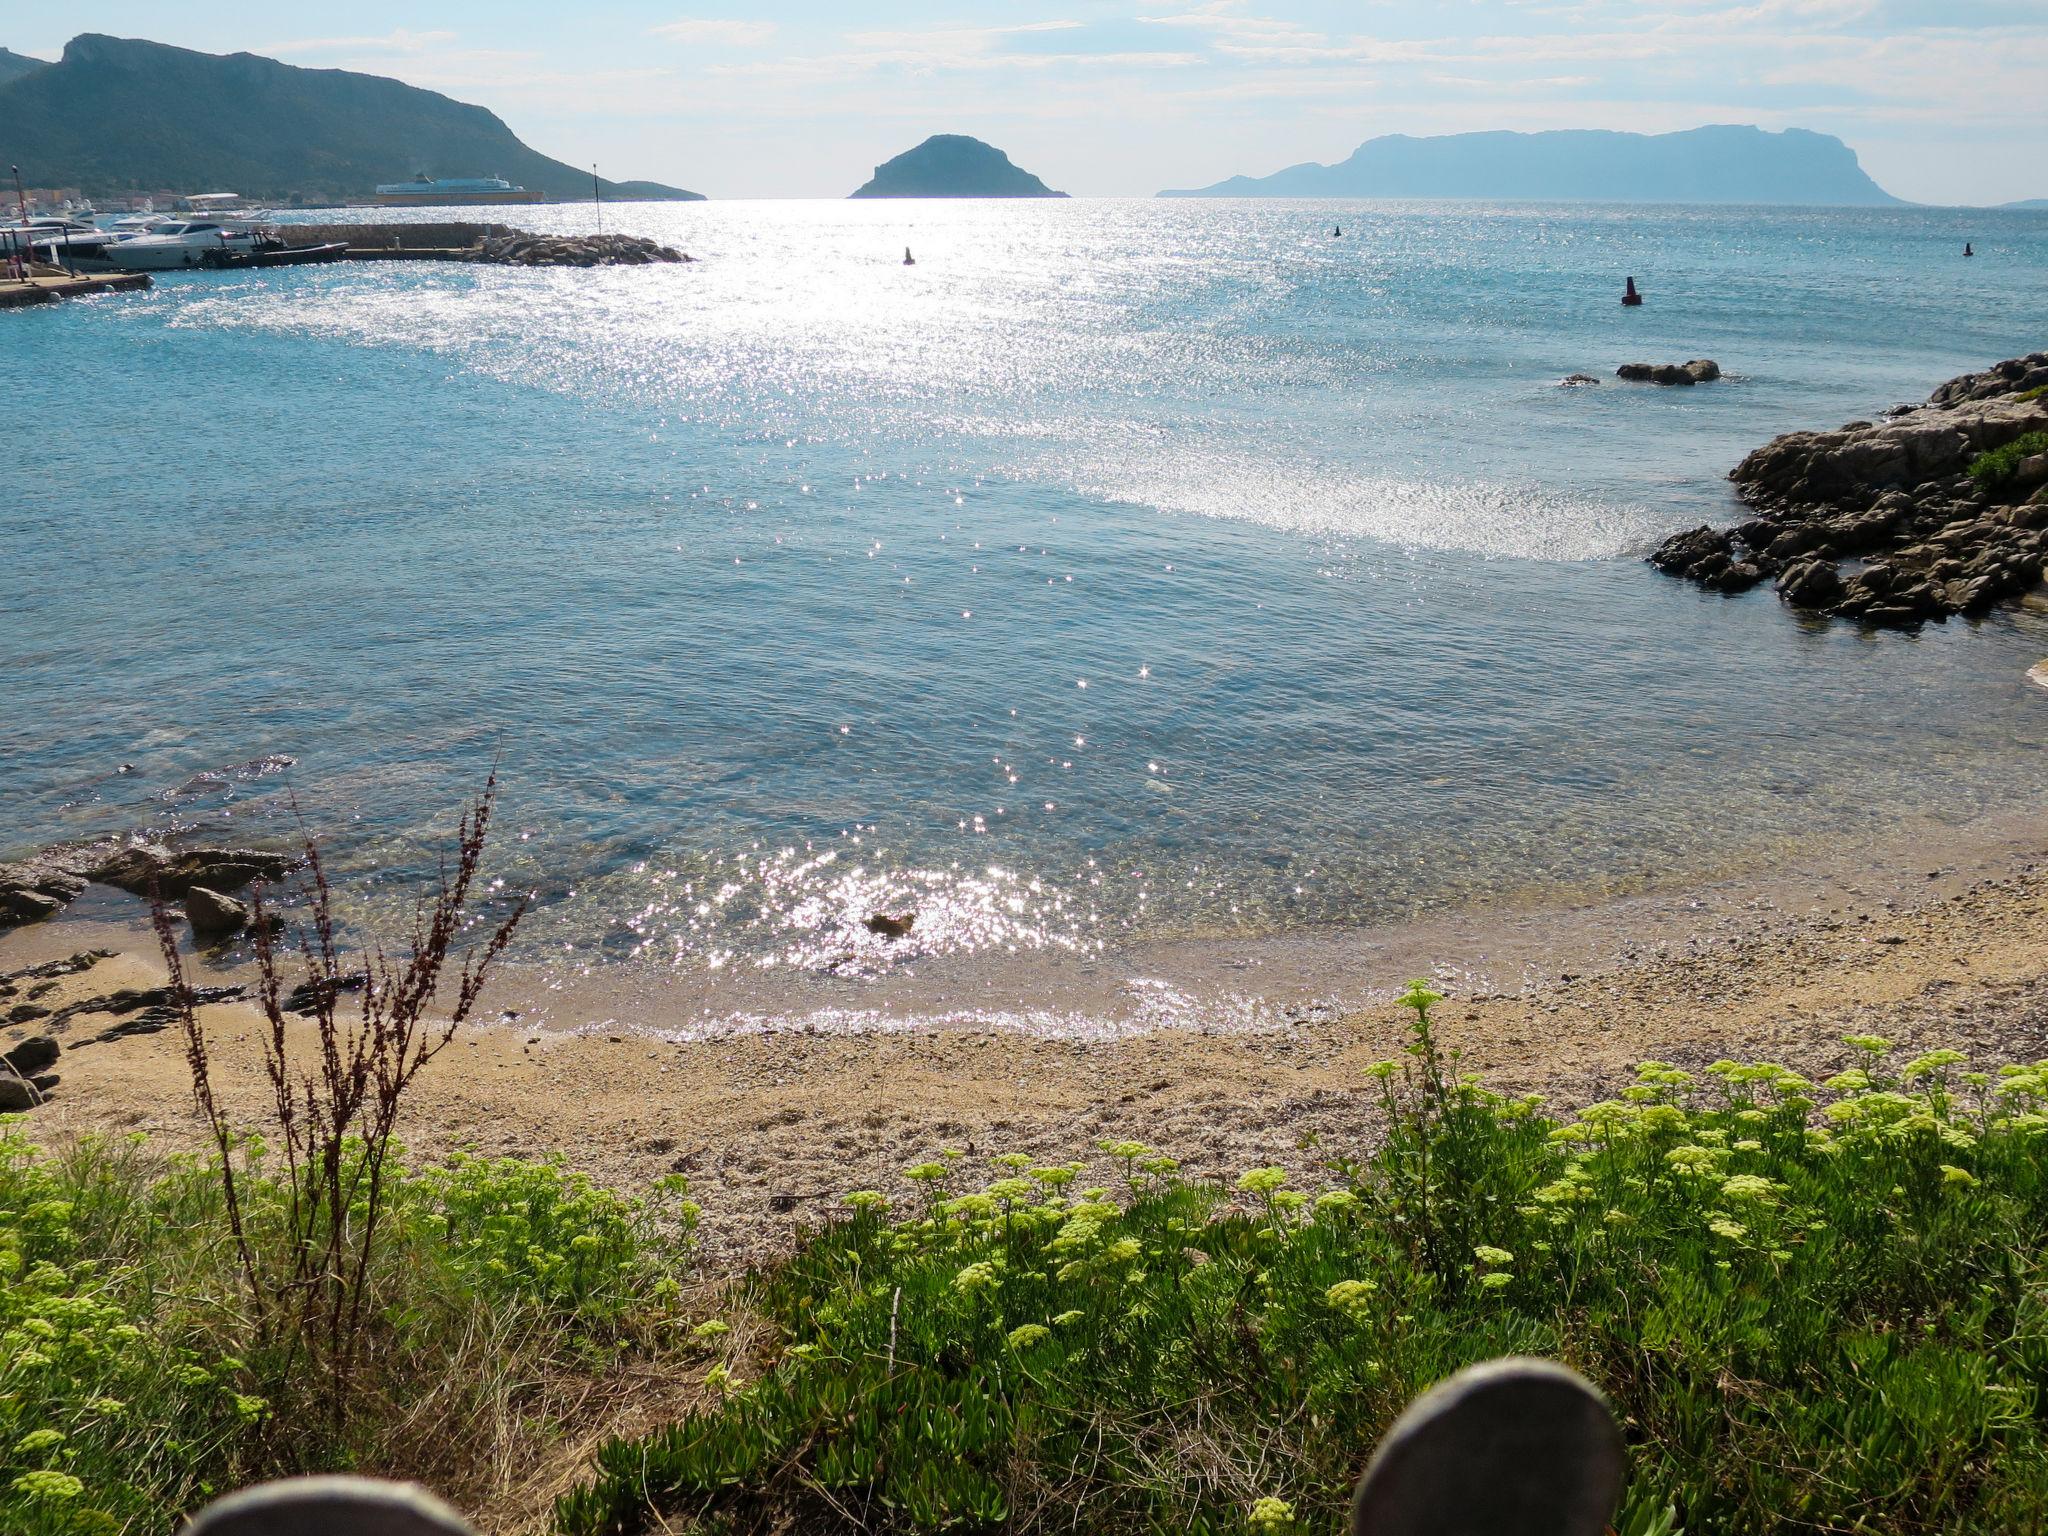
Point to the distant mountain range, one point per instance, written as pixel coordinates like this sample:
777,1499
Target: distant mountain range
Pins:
1700,165
953,165
14,65
115,115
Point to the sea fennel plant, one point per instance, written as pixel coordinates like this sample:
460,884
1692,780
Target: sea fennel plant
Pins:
1814,1307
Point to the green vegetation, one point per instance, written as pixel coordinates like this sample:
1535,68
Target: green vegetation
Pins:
2038,392
1814,1307
117,115
1998,468
135,1385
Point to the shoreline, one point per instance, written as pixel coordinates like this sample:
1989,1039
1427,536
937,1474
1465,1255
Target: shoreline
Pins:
1929,944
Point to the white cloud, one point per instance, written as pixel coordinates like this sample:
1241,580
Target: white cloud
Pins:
716,32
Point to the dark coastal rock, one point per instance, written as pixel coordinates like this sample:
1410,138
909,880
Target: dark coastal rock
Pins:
212,915
308,996
889,927
145,869
36,888
1701,370
33,1055
1577,381
17,1096
1896,494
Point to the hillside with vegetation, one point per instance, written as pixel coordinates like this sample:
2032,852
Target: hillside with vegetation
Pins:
14,65
118,115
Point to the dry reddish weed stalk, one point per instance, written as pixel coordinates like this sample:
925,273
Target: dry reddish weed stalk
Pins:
333,1119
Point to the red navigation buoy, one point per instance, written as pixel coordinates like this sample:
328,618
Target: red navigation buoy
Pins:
1631,298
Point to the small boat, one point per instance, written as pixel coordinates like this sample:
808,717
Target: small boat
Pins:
185,244
272,252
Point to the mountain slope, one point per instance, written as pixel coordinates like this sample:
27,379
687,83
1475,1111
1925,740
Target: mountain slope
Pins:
953,165
116,115
14,65
1699,165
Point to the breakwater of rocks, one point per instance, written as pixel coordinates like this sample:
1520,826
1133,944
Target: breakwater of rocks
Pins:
494,244
1935,509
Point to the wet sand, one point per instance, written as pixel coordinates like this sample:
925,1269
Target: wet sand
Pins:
774,1114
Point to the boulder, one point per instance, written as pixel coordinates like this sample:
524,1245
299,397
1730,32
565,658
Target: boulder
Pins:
1577,381
33,1055
1700,370
212,915
145,868
17,1095
1810,584
1695,552
21,904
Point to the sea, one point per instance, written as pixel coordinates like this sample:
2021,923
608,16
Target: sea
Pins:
1119,574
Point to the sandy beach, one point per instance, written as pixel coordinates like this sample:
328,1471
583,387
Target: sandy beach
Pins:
1931,944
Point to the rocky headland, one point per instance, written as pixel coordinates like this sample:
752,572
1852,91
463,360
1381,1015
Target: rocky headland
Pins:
1935,509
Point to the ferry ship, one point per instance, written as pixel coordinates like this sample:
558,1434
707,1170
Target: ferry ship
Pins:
425,191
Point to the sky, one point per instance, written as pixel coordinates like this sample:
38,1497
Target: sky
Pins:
1945,100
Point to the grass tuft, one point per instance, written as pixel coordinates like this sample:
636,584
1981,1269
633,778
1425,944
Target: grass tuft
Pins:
2000,466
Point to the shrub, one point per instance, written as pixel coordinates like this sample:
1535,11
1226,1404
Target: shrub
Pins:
2000,466
134,1384
1812,1307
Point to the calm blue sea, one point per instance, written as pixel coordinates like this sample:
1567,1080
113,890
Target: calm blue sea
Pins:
1120,570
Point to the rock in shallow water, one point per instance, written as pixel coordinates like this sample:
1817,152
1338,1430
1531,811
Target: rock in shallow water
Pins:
212,915
1895,492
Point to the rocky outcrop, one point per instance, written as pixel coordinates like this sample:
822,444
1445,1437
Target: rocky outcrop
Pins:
42,886
517,248
1701,370
1883,521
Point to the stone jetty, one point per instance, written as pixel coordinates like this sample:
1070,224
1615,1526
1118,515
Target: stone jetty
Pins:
1935,509
494,244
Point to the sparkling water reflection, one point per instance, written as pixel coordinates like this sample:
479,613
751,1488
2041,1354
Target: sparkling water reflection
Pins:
1121,570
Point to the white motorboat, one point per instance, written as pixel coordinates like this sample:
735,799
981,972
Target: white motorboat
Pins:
187,243
132,224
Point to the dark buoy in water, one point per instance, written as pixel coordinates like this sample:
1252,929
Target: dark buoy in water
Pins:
1337,233
908,259
1967,251
1631,298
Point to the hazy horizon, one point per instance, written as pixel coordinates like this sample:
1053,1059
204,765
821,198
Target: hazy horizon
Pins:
1941,103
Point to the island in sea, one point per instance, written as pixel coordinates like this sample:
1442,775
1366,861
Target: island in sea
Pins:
116,116
1698,165
953,165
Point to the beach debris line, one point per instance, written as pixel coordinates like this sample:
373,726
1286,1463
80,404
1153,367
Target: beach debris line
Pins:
1936,509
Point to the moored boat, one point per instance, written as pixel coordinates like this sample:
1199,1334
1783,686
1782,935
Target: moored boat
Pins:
186,244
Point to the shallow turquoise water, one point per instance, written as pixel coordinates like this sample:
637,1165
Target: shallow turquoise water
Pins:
1119,570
